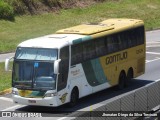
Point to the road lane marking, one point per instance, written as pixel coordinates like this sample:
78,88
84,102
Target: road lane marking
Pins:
153,60
13,107
154,53
6,99
157,80
10,100
153,46
62,118
154,42
153,31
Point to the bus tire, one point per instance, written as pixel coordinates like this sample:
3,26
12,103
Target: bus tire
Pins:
122,80
74,97
129,76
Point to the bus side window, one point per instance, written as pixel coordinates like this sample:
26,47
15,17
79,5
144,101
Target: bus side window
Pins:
116,42
133,37
140,35
63,68
119,42
124,39
110,44
89,51
129,38
77,54
101,47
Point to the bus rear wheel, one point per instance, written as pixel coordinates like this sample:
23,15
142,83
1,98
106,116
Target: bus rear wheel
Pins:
74,97
129,77
122,80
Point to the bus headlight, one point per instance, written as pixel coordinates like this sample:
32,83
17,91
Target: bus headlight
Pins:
51,94
14,92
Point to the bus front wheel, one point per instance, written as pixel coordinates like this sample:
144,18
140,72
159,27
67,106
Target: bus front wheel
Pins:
74,97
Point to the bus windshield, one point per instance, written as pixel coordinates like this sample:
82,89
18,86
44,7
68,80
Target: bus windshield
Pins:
34,69
34,75
36,54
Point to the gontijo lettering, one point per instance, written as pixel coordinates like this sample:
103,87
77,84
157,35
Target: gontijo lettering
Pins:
116,58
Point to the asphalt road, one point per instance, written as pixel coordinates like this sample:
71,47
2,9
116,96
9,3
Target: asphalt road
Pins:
4,56
90,102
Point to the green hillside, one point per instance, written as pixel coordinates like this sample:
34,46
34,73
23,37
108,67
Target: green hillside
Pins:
27,25
44,6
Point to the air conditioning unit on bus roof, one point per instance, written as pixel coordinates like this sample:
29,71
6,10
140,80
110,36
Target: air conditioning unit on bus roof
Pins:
87,29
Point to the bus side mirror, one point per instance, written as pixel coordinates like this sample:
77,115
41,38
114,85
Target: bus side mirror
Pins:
56,66
7,64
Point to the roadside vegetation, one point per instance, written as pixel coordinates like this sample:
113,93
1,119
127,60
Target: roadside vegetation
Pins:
5,78
30,22
6,11
45,6
30,26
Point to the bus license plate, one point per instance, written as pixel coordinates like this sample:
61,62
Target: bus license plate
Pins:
31,101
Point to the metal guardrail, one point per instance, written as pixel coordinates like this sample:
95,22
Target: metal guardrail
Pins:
140,100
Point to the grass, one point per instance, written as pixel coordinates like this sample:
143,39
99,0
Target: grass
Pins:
26,27
5,78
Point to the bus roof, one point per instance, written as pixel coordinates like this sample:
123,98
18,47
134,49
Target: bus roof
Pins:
81,33
104,26
51,41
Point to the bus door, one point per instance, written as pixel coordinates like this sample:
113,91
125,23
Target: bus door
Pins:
77,78
63,73
77,71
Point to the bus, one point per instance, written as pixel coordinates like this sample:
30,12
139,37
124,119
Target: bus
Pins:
78,61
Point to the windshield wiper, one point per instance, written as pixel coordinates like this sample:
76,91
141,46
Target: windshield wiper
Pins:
29,88
22,87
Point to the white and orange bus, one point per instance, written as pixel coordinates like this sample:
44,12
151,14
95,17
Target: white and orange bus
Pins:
75,62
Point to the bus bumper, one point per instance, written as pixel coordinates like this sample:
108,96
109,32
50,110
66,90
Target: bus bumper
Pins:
46,101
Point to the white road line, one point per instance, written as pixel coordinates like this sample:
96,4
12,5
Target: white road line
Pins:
152,31
6,99
157,80
153,46
153,60
154,53
10,100
154,42
62,118
147,61
13,107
